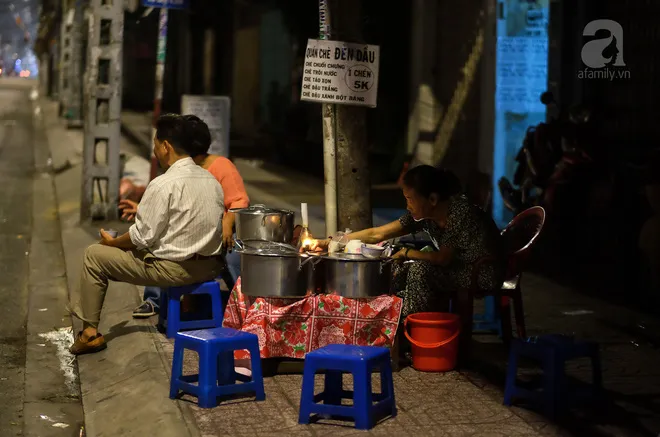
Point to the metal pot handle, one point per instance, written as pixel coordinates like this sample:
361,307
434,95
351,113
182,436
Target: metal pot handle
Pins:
239,245
308,259
235,210
386,262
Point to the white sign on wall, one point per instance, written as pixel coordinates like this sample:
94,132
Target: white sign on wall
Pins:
340,72
215,111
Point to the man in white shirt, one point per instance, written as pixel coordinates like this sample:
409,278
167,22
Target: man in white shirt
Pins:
176,239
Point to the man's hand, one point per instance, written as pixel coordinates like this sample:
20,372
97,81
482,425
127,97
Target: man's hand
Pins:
106,239
128,209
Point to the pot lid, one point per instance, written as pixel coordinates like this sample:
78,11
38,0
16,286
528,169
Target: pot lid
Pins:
267,248
259,209
354,257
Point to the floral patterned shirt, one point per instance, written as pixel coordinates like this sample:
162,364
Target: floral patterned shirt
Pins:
471,233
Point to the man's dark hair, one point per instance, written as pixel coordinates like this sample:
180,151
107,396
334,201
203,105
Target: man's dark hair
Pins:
172,128
198,135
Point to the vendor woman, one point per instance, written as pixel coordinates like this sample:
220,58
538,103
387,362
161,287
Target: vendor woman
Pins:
461,232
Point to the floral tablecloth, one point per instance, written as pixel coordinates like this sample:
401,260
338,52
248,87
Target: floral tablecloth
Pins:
291,327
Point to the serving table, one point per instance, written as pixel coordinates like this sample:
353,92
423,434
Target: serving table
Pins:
291,327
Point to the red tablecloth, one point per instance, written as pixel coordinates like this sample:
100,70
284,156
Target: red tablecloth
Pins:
291,327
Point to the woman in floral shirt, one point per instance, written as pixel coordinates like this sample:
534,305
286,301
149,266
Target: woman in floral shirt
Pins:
460,231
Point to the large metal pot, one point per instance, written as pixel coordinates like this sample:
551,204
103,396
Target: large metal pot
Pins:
274,269
258,222
357,276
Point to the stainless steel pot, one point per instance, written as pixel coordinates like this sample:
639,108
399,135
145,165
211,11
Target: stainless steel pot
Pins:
258,222
356,276
275,269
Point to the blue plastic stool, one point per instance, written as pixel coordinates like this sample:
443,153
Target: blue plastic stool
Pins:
169,316
361,362
217,376
552,351
490,320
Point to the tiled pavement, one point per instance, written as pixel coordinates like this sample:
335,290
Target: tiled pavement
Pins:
469,402
428,405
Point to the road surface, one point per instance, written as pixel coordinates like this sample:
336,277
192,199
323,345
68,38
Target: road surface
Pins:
35,398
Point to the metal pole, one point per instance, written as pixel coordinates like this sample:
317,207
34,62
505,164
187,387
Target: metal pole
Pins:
329,142
64,59
103,88
73,109
160,73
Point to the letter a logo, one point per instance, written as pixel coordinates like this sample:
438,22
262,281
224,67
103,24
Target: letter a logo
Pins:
607,51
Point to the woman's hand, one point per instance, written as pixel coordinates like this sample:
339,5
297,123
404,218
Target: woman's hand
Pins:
316,246
402,254
128,209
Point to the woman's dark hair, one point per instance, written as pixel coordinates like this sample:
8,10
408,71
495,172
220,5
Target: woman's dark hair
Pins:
172,128
198,135
427,180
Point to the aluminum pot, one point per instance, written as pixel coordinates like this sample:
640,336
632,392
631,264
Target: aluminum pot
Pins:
258,222
273,269
357,276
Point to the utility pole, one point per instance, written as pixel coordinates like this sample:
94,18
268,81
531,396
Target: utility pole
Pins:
103,88
73,108
65,56
353,179
160,73
328,112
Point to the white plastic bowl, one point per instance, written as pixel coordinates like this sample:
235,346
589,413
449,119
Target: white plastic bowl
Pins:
372,250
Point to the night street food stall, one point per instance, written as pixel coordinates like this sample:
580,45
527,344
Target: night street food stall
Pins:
297,301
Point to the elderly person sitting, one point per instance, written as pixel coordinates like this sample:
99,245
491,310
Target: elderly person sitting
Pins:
176,239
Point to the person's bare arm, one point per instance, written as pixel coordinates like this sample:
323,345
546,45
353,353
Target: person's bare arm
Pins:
440,257
121,242
378,234
228,220
369,236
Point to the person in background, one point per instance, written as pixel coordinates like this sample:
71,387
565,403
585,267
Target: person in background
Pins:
461,234
235,196
176,239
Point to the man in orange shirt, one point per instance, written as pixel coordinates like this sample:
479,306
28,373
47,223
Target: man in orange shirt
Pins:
235,197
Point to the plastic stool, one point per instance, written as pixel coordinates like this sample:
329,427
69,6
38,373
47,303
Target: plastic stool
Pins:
169,316
490,319
552,351
361,362
217,376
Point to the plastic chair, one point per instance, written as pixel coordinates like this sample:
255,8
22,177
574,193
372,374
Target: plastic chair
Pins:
169,316
217,376
361,362
518,239
552,351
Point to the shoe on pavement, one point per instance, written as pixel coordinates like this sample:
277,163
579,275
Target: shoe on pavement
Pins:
145,310
89,346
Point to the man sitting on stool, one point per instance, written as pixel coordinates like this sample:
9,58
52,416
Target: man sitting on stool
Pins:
176,239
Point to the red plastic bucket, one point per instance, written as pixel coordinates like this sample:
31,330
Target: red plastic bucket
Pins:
434,338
